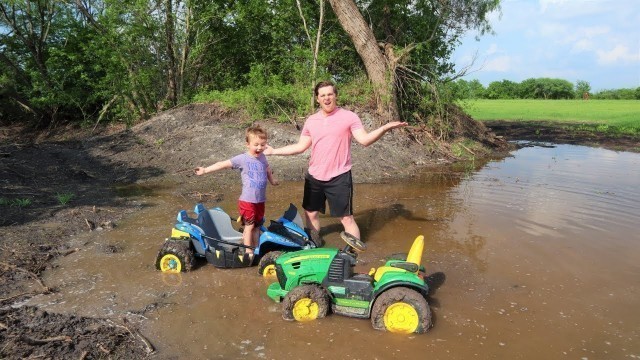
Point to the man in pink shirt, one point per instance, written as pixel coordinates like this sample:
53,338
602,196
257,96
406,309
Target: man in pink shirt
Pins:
328,133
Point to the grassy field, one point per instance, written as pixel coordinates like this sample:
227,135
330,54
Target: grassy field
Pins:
609,116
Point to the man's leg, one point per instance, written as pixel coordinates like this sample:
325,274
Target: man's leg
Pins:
312,219
350,225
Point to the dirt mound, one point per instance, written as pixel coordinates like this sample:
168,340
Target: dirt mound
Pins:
54,336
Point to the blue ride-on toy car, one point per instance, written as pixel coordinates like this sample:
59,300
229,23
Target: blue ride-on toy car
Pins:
211,235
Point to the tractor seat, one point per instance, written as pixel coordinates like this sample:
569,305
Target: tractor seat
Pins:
217,224
412,264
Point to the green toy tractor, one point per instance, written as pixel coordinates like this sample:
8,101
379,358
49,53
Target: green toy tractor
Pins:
394,296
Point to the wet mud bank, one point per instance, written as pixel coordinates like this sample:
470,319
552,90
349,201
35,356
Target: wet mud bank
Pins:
73,181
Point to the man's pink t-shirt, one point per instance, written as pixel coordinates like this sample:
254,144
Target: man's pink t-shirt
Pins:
330,142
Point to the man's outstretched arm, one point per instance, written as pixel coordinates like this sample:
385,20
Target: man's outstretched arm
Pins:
366,139
303,144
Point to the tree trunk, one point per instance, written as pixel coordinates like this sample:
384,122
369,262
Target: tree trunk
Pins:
378,68
172,89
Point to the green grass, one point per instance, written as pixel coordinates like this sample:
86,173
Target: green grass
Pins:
64,198
21,203
609,116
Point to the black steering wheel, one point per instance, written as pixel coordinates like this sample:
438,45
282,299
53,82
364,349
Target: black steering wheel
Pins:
353,241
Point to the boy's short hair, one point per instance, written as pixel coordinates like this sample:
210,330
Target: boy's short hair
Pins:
322,84
256,131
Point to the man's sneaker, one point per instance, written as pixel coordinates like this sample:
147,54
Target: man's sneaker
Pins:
353,241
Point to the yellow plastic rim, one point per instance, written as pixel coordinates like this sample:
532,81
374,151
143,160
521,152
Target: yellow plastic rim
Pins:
170,263
305,310
401,318
269,271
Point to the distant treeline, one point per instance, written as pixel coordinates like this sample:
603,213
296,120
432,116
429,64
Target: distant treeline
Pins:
539,88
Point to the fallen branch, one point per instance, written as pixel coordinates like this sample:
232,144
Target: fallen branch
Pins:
32,341
466,148
17,296
103,349
136,334
69,252
89,224
32,275
190,169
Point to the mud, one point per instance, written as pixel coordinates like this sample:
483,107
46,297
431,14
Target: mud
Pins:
543,131
71,180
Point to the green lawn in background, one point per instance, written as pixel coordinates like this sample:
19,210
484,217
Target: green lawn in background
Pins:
612,116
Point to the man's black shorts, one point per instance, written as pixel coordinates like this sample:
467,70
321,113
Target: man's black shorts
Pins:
338,192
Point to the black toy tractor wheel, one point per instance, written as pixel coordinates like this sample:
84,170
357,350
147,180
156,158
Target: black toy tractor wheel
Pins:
305,303
267,264
401,310
175,256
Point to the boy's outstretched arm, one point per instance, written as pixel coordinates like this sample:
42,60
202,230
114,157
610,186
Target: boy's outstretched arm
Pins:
226,164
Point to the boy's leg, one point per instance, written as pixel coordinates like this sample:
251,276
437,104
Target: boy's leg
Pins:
252,215
255,235
247,237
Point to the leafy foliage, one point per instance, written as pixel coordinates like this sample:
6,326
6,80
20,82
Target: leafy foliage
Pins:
118,60
539,88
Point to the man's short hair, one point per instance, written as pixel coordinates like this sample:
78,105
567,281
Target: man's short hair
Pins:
322,84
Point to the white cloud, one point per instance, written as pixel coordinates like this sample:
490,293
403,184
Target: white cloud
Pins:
619,53
593,40
493,49
582,46
553,30
586,34
571,9
544,4
499,64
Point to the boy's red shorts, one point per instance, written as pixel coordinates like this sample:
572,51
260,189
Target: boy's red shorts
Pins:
251,213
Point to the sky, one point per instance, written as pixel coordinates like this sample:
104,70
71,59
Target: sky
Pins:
597,41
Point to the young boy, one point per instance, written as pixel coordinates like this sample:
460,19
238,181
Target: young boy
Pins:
255,171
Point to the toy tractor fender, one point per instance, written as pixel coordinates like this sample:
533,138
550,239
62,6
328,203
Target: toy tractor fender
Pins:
194,233
418,286
298,268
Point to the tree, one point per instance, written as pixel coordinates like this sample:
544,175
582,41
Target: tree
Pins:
381,69
476,89
545,88
50,67
504,89
582,87
405,45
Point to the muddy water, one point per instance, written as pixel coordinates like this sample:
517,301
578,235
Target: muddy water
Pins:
537,257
